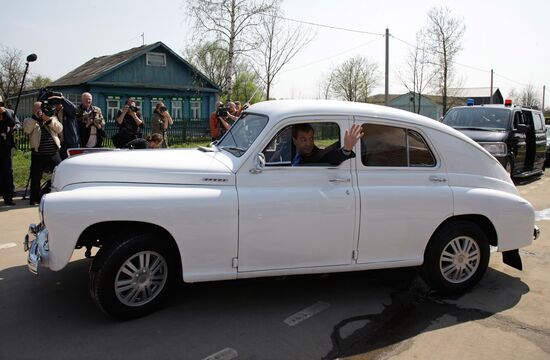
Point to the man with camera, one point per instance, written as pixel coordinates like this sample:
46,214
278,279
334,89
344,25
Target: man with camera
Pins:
7,123
43,129
65,112
90,123
160,122
129,124
222,119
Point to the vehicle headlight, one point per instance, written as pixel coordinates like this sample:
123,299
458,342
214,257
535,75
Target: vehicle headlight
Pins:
496,148
41,210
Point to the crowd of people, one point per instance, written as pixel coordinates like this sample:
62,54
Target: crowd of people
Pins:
57,125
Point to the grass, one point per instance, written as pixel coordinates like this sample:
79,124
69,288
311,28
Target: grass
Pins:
22,163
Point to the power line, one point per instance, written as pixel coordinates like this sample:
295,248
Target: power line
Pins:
376,34
329,26
330,57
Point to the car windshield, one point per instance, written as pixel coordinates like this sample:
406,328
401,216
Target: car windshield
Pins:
242,134
483,118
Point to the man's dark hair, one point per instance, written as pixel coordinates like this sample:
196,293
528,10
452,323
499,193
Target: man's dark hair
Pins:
301,127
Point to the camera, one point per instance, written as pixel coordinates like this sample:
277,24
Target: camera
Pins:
222,111
97,121
133,108
47,107
162,109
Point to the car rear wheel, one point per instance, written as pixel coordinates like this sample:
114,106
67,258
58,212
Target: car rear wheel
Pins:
456,257
130,278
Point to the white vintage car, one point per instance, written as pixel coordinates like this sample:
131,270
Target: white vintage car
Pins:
417,193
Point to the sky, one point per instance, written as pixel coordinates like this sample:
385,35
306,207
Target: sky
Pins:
509,36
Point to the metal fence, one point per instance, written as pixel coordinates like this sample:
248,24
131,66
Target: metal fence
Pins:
182,131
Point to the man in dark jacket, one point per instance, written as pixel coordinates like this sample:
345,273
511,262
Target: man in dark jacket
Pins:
307,152
65,112
7,123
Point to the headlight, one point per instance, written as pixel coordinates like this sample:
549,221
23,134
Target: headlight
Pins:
496,148
41,210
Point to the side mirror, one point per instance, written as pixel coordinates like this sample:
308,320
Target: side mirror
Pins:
260,164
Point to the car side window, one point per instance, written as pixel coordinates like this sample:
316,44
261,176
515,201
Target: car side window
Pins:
282,151
538,122
391,146
419,152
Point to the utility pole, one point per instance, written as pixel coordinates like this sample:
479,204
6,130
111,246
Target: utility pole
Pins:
386,94
543,93
142,38
491,95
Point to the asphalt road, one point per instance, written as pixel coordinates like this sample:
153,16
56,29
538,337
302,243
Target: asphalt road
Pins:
368,315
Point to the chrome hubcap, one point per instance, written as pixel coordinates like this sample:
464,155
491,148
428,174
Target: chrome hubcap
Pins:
141,278
460,259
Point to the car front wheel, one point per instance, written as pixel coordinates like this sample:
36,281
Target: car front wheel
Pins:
456,257
130,278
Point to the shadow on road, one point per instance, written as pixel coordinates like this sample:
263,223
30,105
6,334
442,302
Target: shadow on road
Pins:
55,314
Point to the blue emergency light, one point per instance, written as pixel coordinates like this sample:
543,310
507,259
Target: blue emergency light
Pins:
470,102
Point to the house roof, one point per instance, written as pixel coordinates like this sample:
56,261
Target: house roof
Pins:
472,92
100,66
380,98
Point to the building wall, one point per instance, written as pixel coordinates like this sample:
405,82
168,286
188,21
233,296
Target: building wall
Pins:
427,107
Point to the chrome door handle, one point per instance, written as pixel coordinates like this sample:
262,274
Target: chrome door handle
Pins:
437,179
339,180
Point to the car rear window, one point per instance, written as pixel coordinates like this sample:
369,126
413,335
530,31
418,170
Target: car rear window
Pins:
392,146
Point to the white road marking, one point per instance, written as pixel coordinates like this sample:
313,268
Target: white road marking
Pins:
306,313
7,246
542,215
225,354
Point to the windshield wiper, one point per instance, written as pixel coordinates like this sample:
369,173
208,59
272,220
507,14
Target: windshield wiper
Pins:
234,148
473,128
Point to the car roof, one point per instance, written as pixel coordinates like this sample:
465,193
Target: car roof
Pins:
280,109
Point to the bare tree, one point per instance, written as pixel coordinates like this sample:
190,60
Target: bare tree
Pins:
443,39
11,71
230,22
278,43
530,97
324,87
354,79
417,73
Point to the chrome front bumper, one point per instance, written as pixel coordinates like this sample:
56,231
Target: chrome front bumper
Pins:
36,243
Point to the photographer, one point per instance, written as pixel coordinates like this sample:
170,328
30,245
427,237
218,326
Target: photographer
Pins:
160,122
43,129
129,124
65,112
90,123
7,123
222,119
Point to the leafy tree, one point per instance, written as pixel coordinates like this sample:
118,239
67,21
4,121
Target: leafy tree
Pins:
211,59
40,81
354,79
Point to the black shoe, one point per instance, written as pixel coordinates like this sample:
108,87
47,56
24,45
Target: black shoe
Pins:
9,202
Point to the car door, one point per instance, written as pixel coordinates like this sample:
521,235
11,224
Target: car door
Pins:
540,140
518,143
404,193
296,216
